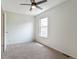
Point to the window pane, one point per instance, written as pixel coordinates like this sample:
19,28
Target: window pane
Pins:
44,22
44,27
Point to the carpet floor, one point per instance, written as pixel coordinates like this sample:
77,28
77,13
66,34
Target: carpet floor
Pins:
31,51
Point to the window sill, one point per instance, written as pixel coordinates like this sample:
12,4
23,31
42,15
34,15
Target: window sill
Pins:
44,37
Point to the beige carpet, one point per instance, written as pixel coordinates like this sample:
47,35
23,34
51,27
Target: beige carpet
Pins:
31,51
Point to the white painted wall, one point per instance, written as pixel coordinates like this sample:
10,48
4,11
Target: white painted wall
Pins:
20,28
62,28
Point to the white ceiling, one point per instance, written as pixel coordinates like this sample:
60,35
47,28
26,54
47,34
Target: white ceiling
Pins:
14,6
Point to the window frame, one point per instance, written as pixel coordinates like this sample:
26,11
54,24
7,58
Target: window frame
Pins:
40,28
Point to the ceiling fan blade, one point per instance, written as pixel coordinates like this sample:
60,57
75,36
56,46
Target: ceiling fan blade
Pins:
30,9
25,4
41,2
38,7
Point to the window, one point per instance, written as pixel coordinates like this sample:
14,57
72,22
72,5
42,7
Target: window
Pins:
43,27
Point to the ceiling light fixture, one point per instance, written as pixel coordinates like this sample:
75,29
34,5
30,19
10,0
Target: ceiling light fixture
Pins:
34,4
33,7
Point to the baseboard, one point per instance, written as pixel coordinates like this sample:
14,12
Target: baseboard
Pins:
55,50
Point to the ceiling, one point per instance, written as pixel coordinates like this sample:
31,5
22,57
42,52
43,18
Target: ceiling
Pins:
14,6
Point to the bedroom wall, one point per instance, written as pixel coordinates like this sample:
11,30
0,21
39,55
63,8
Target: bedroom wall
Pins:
61,28
19,28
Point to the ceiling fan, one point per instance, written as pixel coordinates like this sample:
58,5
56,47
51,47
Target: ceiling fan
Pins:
35,4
